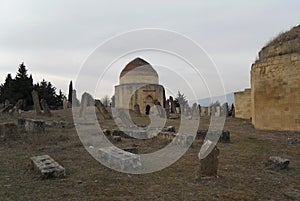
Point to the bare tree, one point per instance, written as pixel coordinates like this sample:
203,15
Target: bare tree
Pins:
106,101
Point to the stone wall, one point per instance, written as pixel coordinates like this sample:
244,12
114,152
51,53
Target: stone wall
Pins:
242,101
275,93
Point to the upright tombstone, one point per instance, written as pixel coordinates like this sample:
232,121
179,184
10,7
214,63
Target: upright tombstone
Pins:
102,109
83,104
19,105
36,102
195,112
159,108
137,110
65,103
45,107
173,107
6,103
167,108
209,165
75,101
199,110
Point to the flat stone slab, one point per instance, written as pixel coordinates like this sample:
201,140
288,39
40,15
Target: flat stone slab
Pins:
133,150
48,167
119,159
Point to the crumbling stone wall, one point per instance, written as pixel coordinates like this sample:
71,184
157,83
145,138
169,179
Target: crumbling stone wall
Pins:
275,94
242,101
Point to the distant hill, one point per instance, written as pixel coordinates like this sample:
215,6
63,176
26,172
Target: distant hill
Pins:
208,101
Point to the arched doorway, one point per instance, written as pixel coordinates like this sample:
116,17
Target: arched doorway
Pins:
148,109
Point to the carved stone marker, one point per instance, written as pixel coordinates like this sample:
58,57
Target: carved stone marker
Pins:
102,109
173,107
19,105
119,159
36,102
209,165
45,107
167,108
65,103
48,167
83,105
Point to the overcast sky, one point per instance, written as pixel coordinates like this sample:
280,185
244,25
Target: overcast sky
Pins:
54,38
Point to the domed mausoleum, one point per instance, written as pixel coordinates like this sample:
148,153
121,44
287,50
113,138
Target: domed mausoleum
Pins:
139,85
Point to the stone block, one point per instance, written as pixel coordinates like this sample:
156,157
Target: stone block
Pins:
34,126
119,159
209,165
7,129
183,140
277,163
48,167
169,129
133,150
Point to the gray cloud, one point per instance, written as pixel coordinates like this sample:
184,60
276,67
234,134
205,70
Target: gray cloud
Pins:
55,37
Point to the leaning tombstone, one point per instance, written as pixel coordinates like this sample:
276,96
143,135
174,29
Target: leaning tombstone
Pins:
7,108
209,165
36,102
102,109
45,107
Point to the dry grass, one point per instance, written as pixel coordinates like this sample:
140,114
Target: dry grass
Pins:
242,174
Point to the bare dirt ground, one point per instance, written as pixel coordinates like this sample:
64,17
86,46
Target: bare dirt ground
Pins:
242,173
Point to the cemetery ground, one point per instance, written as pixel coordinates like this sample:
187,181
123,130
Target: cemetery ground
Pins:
242,171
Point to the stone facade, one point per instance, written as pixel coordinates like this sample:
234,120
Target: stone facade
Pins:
275,92
243,104
139,86
275,85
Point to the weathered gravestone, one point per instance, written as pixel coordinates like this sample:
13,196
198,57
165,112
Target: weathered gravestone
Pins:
195,112
19,105
119,159
167,108
48,167
159,108
102,110
209,165
36,102
34,126
83,105
173,106
45,107
65,103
